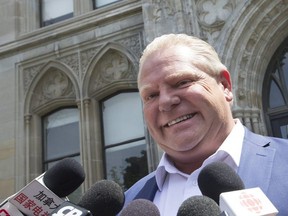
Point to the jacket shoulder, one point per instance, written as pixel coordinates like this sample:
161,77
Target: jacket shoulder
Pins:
131,193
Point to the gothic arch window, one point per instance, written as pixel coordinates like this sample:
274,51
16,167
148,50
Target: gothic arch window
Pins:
275,93
51,119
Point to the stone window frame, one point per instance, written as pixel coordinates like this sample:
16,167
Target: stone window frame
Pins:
87,99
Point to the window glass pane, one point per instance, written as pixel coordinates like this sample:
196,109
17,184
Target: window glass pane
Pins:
122,118
126,164
100,3
275,98
52,9
49,165
284,131
61,134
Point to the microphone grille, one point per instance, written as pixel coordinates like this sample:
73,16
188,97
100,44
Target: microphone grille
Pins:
64,177
218,177
199,206
105,197
140,207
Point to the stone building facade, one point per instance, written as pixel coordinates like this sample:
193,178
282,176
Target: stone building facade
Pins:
85,59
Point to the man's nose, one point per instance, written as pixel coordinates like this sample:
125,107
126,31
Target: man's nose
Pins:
167,101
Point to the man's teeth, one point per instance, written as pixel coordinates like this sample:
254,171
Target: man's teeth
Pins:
180,119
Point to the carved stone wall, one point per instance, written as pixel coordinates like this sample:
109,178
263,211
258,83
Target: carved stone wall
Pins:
82,60
244,33
58,66
246,47
77,78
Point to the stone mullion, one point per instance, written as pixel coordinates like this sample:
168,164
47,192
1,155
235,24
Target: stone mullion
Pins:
250,118
27,119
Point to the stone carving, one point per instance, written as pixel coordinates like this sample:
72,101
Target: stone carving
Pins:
133,43
72,61
29,74
113,66
164,9
86,57
248,54
54,84
162,17
212,15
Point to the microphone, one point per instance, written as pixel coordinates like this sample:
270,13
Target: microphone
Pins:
218,177
37,198
199,206
105,197
64,177
140,207
219,181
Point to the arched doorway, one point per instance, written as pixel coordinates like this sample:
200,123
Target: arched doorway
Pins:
275,93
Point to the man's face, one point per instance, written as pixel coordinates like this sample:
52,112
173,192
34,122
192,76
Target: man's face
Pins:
187,111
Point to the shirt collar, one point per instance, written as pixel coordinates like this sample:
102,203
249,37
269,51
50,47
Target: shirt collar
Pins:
229,152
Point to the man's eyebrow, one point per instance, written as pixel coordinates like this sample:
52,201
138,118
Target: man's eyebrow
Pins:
180,74
145,87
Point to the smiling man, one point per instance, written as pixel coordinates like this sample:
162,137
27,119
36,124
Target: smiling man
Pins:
187,97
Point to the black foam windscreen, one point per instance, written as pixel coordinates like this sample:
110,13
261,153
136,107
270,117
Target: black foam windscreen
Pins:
105,197
199,206
64,177
218,177
140,207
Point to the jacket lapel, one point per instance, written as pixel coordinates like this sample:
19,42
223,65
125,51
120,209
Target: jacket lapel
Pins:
149,190
256,161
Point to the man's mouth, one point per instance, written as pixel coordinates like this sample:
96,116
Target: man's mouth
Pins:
180,119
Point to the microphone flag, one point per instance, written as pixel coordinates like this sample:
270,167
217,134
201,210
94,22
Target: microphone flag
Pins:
248,202
8,209
36,199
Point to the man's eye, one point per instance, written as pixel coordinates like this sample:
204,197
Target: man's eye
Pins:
150,96
184,83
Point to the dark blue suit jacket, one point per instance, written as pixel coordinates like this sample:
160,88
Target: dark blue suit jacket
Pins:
263,163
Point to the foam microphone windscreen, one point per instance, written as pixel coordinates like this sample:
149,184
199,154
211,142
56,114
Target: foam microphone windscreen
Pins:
140,207
218,177
105,197
199,206
64,177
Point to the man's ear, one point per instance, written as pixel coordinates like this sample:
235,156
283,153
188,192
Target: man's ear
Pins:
225,81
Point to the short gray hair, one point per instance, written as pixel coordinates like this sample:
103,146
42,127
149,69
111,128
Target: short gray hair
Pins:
206,57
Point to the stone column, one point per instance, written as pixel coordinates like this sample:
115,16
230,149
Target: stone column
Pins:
251,118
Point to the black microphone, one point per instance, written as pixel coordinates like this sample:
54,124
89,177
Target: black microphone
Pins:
64,177
105,197
140,207
220,182
43,194
199,206
218,177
